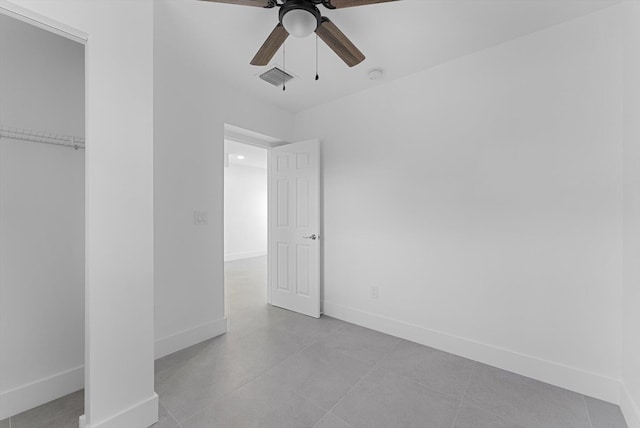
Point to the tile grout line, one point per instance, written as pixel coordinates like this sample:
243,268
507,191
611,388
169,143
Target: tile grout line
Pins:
306,398
455,419
223,396
425,385
405,377
586,408
258,376
170,415
337,417
344,395
373,366
355,385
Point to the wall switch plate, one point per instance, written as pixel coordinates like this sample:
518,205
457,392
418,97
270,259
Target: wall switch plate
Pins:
374,293
200,218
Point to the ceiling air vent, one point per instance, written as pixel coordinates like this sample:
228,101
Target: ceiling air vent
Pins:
276,76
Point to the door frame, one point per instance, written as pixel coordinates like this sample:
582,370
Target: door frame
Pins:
45,23
244,136
58,28
250,138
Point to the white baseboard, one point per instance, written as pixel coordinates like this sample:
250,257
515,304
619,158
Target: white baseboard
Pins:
143,414
244,255
42,391
189,337
630,409
571,378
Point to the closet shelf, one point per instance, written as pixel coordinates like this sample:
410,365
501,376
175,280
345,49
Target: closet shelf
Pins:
42,137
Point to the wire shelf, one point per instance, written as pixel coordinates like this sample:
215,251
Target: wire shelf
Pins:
42,137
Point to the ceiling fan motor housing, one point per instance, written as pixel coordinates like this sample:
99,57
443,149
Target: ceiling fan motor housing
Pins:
302,14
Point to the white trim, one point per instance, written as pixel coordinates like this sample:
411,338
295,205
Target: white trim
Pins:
33,18
571,378
244,255
55,386
241,135
630,409
143,414
189,337
41,391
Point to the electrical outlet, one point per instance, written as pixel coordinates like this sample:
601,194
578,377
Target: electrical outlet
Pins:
200,218
374,292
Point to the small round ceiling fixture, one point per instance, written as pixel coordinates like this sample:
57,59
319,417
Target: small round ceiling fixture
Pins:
375,74
240,157
300,18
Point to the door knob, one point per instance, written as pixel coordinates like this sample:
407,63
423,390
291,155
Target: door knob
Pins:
312,237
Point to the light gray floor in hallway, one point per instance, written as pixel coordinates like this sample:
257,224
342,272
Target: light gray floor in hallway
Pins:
277,369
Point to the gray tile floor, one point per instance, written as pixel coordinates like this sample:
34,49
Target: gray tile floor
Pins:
277,369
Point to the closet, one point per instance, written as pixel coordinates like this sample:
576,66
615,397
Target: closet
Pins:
41,216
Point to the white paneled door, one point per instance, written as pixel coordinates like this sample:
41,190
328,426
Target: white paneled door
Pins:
294,227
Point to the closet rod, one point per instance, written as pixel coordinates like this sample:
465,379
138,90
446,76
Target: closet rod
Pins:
42,137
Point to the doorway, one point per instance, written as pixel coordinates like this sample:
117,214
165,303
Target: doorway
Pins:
42,223
245,228
287,194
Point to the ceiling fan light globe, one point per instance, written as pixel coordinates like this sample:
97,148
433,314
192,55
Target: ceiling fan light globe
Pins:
299,23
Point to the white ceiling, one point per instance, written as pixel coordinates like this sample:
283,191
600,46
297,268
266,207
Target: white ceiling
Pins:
401,38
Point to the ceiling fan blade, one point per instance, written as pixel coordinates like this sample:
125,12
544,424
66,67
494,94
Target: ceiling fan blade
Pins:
341,4
257,3
341,45
270,46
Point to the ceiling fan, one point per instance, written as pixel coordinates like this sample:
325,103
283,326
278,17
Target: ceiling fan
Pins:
300,18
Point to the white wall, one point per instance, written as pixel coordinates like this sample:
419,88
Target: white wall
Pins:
41,219
483,198
515,156
631,326
119,205
245,212
191,108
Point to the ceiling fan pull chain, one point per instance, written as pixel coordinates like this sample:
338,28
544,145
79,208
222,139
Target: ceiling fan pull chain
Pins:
284,66
317,75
